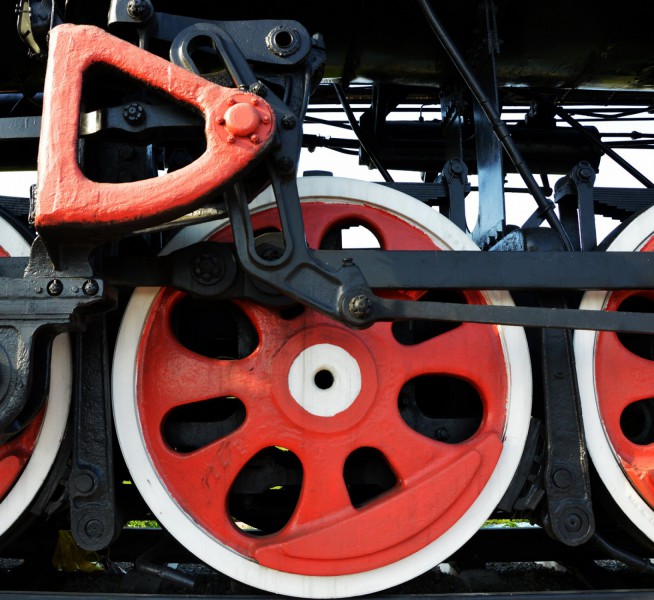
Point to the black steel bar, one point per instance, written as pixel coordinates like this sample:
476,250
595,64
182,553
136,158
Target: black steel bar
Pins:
501,130
523,316
499,270
453,270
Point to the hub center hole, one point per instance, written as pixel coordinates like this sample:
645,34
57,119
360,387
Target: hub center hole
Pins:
324,379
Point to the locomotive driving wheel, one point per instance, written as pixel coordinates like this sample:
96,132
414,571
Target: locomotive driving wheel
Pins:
302,457
26,459
616,381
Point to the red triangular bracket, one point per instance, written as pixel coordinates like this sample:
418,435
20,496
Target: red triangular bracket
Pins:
70,203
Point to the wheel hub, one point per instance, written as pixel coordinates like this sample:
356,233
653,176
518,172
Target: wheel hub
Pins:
324,377
324,380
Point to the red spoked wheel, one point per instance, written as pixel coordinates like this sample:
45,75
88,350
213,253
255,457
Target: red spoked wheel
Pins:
305,458
616,381
26,459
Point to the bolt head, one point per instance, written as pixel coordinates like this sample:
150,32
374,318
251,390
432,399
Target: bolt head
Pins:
585,173
573,522
360,306
55,287
207,269
259,89
289,121
139,9
94,528
90,287
134,113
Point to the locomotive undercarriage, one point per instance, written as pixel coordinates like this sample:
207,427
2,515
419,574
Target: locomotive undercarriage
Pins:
310,418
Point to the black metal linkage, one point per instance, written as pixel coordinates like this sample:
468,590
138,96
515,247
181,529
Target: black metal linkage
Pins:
499,127
499,270
428,270
523,316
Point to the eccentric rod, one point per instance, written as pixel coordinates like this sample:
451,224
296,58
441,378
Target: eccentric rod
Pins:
501,131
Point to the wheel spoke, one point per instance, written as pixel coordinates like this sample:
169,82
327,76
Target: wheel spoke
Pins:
457,353
324,495
203,478
174,376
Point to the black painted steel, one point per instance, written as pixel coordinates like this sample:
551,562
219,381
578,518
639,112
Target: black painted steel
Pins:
92,510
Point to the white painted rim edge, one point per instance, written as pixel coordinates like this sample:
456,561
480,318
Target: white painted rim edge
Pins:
225,559
53,427
600,448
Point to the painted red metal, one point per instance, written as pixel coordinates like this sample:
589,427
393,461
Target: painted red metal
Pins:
327,535
238,128
621,379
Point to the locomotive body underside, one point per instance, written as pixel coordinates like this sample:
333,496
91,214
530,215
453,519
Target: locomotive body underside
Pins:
190,338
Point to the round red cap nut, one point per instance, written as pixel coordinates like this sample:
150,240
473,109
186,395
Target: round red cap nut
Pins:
242,119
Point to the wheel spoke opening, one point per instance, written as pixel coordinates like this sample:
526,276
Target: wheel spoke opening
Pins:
265,493
416,331
350,234
195,425
215,329
367,476
441,407
637,422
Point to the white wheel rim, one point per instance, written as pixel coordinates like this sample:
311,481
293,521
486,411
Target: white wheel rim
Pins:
604,458
30,480
207,548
